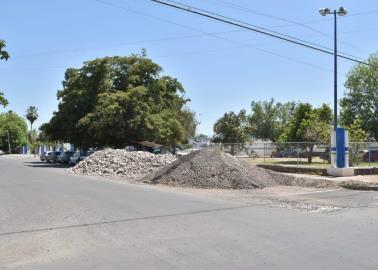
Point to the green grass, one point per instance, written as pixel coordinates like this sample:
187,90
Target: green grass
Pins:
316,162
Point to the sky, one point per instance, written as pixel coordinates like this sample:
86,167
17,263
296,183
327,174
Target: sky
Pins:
223,68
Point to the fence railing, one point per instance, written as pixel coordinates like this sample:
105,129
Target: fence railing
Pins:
361,154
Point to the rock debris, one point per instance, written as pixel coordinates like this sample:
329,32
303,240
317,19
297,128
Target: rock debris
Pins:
120,162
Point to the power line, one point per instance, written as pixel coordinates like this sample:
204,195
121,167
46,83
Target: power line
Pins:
239,23
252,11
207,33
246,23
360,30
304,25
330,19
191,28
240,45
194,53
73,50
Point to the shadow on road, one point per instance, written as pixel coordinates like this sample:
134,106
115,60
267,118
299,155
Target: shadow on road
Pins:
40,164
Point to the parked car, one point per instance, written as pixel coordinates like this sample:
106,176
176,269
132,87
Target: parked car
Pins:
280,154
1,152
64,156
373,156
79,156
157,151
75,158
43,156
52,156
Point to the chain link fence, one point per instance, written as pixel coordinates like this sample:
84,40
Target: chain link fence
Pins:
361,154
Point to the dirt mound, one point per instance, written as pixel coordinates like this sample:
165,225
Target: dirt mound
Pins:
212,168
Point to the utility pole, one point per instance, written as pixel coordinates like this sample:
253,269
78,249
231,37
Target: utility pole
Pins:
341,12
335,73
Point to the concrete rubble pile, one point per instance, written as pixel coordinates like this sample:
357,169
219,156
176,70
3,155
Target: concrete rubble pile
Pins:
119,162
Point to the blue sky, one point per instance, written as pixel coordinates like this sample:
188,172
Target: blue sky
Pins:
222,68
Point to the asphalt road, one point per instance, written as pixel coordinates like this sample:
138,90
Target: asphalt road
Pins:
49,220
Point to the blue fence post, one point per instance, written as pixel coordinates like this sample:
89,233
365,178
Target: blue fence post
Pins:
340,148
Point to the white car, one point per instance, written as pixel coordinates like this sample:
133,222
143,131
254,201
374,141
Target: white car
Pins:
2,152
77,157
74,159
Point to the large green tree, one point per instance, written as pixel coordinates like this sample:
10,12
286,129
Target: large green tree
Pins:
232,128
4,55
13,127
114,101
357,137
310,125
268,118
360,100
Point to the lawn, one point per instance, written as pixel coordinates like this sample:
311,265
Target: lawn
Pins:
316,162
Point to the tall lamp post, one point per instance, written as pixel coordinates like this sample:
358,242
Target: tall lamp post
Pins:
341,12
339,142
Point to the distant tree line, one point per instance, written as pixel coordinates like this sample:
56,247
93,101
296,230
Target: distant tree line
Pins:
281,123
301,122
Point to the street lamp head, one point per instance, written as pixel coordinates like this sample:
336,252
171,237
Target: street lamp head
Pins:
324,11
342,11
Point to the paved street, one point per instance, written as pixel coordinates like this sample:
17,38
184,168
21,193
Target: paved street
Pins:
50,220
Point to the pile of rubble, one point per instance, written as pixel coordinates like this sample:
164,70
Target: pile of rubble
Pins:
119,162
212,168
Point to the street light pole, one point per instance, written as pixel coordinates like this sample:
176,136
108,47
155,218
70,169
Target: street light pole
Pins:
341,12
339,140
335,73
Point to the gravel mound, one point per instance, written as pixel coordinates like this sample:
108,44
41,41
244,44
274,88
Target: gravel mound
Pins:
119,162
212,168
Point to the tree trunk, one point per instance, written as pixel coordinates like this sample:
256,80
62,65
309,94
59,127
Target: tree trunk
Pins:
174,152
309,156
31,133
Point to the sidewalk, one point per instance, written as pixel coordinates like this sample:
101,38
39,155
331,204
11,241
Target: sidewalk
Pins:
369,179
18,157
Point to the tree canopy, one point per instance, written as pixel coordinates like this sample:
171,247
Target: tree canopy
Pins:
309,125
232,128
113,101
4,55
16,126
361,97
268,118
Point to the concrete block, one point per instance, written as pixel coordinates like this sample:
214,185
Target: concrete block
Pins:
340,172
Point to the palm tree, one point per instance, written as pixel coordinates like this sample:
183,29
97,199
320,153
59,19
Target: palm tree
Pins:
32,115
